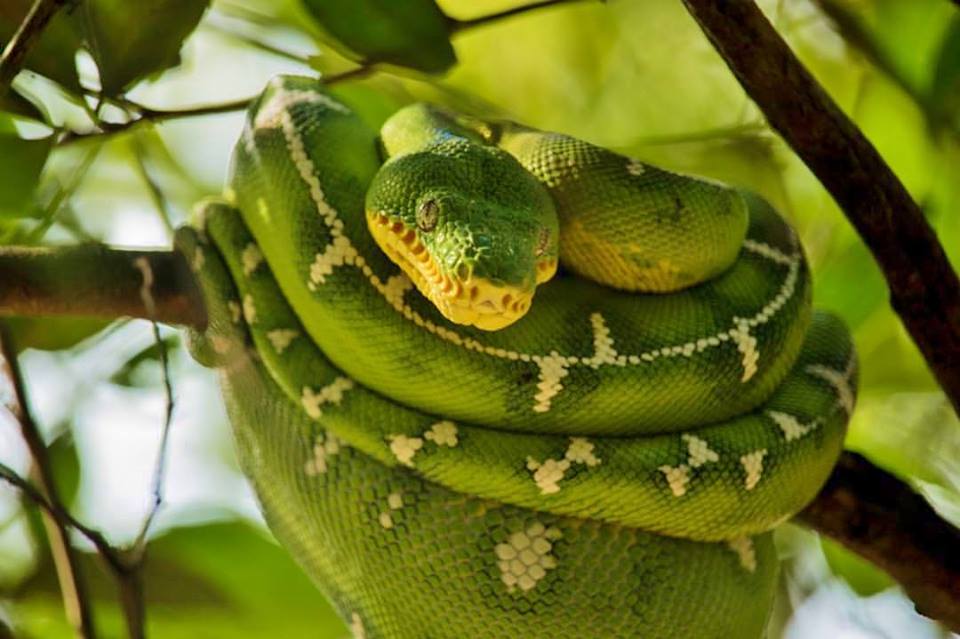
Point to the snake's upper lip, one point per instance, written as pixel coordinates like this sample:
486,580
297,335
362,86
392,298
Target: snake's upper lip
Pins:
475,301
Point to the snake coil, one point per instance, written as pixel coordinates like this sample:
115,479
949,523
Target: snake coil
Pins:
610,465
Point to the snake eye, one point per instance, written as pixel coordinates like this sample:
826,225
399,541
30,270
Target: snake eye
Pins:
427,214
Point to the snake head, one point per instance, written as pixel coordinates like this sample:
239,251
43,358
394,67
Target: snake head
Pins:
471,228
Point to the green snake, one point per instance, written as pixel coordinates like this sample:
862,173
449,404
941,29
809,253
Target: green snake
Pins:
455,441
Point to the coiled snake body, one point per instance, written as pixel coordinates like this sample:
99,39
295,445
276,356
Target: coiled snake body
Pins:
587,461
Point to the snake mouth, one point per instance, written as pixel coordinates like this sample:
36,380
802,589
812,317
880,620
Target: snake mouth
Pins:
472,301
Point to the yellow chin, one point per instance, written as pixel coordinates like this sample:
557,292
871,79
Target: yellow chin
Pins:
474,302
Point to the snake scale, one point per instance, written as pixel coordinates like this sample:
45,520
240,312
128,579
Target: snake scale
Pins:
453,440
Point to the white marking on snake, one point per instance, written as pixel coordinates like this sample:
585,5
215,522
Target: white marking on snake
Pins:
746,552
251,258
677,478
769,252
356,627
337,253
325,446
547,475
280,338
249,309
747,345
270,115
699,451
635,167
404,448
308,173
839,380
580,451
443,433
792,428
396,287
603,350
524,558
553,368
753,466
235,311
221,344
330,394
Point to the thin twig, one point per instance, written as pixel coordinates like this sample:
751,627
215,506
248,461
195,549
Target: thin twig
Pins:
75,601
26,35
139,546
149,114
457,26
924,289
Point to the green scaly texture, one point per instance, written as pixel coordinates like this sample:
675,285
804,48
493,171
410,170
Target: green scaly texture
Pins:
574,493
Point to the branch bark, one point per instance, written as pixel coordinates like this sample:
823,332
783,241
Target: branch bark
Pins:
924,289
96,281
881,519
11,61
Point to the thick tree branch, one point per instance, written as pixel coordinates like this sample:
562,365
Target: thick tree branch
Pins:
96,281
11,61
881,519
76,604
924,289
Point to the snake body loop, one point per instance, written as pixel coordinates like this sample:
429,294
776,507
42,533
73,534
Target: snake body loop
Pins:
608,464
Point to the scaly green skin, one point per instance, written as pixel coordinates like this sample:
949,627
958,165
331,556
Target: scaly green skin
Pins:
418,522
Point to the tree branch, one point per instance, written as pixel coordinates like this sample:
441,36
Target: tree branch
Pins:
924,289
75,601
880,518
11,61
96,281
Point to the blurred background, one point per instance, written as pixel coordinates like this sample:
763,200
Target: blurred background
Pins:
634,75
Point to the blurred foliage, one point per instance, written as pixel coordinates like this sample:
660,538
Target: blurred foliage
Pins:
634,75
217,581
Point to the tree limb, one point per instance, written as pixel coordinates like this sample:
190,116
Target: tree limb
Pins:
11,61
924,289
96,281
880,518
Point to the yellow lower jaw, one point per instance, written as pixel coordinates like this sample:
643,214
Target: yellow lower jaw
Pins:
476,302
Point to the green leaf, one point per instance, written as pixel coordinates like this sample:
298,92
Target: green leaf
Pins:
408,33
945,93
20,164
131,40
54,54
